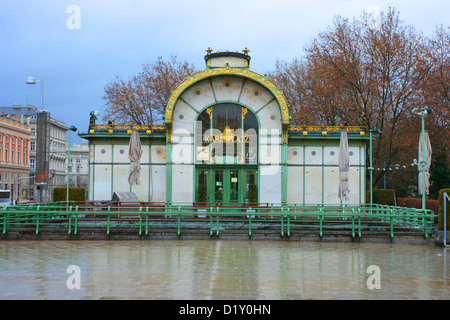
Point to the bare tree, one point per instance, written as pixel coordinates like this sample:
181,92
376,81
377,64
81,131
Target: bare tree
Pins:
142,98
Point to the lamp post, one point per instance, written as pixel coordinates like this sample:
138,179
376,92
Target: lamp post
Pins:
31,80
377,131
72,128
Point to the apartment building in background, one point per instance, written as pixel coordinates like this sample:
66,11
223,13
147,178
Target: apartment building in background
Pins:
47,151
15,137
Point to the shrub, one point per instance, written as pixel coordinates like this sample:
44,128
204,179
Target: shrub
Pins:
417,203
384,196
201,193
75,194
441,210
252,193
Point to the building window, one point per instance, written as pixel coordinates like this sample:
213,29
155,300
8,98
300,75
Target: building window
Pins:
32,163
32,146
227,131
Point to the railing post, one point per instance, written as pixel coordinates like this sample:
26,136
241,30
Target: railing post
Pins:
70,220
288,223
146,221
5,219
140,221
109,215
320,221
353,222
425,223
217,217
37,220
250,223
210,221
391,213
359,222
179,221
282,224
76,220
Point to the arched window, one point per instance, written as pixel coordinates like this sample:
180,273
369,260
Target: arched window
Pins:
227,133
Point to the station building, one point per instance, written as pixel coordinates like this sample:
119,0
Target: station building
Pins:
227,137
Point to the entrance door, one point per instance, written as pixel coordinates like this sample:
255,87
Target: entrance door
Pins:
227,185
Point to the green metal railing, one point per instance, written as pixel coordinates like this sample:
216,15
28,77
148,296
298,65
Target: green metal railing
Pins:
287,218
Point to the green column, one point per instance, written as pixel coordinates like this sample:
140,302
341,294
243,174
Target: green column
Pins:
284,178
169,172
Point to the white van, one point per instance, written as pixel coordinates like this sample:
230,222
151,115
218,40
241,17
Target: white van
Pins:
5,198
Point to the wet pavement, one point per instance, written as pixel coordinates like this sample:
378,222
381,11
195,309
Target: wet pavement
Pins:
199,270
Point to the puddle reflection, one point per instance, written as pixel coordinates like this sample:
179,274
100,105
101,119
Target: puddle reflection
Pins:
220,270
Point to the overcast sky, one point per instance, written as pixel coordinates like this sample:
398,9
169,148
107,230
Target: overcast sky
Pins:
78,46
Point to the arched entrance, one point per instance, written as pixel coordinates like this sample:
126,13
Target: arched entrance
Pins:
226,154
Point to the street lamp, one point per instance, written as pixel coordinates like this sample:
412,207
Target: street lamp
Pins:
377,131
422,112
74,129
31,80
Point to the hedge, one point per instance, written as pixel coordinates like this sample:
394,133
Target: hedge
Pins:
384,196
441,209
75,194
417,203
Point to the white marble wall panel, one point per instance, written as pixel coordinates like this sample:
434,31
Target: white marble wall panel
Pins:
91,181
254,95
102,183
182,153
295,155
142,189
270,116
199,95
157,187
331,185
354,185
270,184
103,153
182,183
295,184
183,117
270,154
331,155
313,185
227,88
120,153
313,155
234,62
354,155
158,154
120,178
